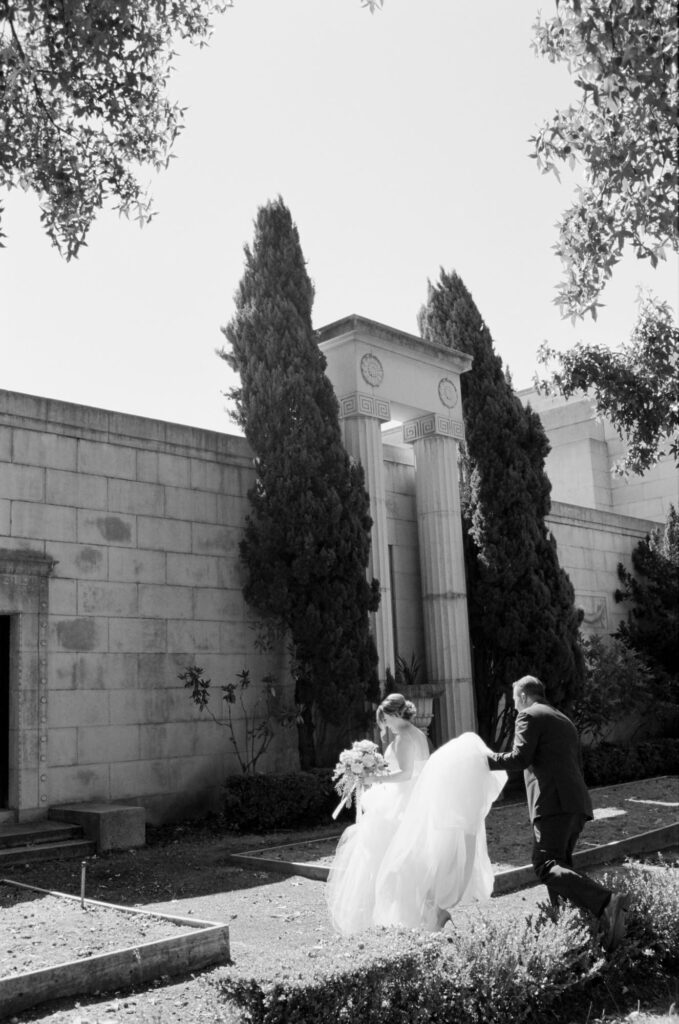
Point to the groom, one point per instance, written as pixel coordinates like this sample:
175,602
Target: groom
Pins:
547,747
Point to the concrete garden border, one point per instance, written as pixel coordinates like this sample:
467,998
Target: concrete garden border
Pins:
505,881
207,944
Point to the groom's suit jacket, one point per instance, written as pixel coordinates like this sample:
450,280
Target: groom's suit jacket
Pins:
547,747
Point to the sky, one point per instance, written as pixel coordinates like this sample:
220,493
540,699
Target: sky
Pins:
398,140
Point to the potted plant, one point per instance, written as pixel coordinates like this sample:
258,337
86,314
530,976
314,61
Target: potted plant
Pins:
411,683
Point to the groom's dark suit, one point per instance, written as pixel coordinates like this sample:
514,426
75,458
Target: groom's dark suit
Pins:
547,747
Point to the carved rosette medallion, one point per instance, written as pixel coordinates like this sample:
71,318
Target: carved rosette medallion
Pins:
372,370
448,393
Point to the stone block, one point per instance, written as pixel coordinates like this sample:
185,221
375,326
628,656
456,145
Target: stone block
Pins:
25,483
213,604
216,540
97,671
191,505
73,784
78,561
138,635
232,510
4,517
131,496
166,602
136,779
78,634
78,489
110,826
5,444
111,529
136,566
224,479
107,459
45,449
159,468
108,744
63,597
130,707
193,636
62,747
180,739
192,570
114,599
156,669
78,708
164,534
48,522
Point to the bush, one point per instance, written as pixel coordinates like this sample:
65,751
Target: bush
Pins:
609,763
263,803
477,971
652,943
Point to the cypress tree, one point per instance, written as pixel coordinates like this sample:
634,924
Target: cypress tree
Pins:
307,537
521,603
652,628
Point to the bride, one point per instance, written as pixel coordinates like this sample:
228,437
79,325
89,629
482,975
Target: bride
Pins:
418,847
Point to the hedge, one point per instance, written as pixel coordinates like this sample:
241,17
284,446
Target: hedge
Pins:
482,970
266,803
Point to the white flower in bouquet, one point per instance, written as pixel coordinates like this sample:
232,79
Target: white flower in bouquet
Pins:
362,761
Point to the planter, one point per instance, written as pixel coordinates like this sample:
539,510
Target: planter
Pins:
423,695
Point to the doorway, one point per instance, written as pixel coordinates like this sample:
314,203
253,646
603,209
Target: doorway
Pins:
5,629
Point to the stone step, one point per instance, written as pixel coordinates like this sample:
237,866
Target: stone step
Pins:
46,851
37,833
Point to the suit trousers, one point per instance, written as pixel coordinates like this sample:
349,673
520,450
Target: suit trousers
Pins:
554,839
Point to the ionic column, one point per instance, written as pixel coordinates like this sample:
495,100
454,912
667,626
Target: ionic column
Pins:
361,415
444,591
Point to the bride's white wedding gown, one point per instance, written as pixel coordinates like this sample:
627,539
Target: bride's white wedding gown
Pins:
419,846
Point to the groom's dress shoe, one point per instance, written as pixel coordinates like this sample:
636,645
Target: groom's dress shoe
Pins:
613,923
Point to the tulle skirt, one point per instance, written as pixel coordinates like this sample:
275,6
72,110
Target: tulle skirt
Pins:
418,847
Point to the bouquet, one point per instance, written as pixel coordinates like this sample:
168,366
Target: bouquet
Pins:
363,760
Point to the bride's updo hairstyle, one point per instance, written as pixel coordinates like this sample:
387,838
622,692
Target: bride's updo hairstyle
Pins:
397,705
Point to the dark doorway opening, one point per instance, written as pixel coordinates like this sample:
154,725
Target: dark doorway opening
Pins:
5,624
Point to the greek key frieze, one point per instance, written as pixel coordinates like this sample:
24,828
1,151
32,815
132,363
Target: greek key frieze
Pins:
432,425
360,404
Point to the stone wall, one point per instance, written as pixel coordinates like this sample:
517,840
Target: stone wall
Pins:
119,567
582,460
135,525
590,545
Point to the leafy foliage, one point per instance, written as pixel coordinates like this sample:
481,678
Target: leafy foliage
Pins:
258,717
83,104
623,58
637,387
652,628
610,763
307,538
617,684
521,603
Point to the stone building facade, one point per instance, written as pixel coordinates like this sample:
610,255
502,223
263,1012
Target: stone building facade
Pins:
119,568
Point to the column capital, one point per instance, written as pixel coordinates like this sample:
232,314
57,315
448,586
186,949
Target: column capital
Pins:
432,425
358,403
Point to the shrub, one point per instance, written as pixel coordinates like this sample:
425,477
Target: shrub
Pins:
478,971
481,971
263,803
617,684
609,763
652,944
